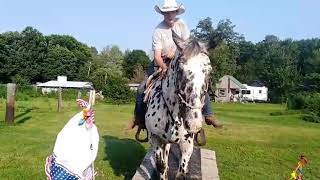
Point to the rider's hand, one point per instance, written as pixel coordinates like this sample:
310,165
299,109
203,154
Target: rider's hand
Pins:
164,70
170,54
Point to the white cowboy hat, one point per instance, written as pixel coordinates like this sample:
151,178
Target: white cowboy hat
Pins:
170,5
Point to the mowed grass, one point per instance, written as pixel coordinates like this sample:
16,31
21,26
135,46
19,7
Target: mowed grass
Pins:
252,145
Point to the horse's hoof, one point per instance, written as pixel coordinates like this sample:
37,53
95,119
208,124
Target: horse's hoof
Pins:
164,176
181,176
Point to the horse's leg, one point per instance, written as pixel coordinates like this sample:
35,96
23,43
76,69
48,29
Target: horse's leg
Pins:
158,150
166,159
186,147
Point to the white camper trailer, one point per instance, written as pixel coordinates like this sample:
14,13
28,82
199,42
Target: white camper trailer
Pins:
252,93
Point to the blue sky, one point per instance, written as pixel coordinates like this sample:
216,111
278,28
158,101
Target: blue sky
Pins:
130,23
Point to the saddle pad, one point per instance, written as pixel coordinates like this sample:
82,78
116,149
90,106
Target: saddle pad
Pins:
149,84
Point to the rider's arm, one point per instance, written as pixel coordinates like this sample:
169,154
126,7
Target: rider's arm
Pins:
158,59
157,47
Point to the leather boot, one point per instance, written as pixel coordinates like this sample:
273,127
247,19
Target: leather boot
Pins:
210,120
132,124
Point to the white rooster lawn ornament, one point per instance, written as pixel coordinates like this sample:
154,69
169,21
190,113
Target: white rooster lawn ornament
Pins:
76,148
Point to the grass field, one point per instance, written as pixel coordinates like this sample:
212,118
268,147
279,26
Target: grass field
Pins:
252,145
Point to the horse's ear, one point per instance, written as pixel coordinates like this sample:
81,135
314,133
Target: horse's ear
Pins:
204,47
181,44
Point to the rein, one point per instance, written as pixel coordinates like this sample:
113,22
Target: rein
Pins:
165,102
199,134
187,104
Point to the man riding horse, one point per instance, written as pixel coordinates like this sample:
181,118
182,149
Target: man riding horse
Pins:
164,50
174,104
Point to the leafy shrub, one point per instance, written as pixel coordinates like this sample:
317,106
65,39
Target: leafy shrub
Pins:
117,91
283,113
3,91
309,102
312,117
312,103
296,101
72,94
26,92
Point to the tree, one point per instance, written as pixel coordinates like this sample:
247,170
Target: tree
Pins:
9,56
61,61
278,70
94,51
31,55
311,80
135,59
111,58
76,56
224,32
204,30
4,53
105,65
223,46
306,49
138,74
222,62
247,62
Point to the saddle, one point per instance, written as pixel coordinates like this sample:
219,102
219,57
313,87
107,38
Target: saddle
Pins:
153,78
143,96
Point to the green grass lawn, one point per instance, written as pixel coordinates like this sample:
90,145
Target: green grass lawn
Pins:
252,145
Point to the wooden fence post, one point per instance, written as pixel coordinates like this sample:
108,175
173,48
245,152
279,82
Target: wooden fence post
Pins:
92,97
11,98
59,99
79,94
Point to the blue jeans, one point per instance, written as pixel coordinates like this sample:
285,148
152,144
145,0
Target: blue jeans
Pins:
140,107
207,108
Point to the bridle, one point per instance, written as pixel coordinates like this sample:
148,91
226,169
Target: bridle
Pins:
189,105
181,99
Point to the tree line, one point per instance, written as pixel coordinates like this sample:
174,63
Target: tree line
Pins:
284,66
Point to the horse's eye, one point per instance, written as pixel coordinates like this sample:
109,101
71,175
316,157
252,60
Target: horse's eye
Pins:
204,87
189,90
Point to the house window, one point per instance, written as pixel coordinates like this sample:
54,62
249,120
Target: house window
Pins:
245,92
260,91
222,92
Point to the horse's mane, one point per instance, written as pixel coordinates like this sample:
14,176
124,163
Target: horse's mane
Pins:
193,48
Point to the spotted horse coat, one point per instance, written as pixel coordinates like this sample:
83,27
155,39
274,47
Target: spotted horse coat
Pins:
174,108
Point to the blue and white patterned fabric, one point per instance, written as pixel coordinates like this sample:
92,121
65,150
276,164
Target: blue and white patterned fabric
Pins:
55,171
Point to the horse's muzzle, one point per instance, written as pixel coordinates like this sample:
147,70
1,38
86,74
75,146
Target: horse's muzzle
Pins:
193,125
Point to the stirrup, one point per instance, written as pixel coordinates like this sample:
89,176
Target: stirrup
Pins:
200,138
137,136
